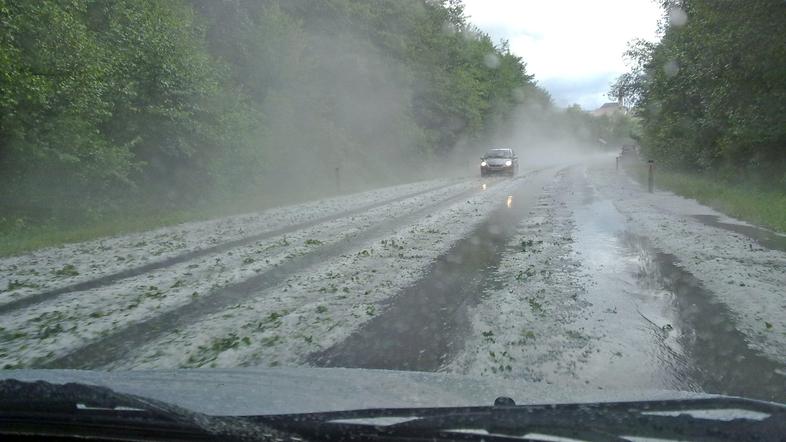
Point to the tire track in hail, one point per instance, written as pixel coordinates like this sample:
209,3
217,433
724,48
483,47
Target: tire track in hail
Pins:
427,323
219,248
116,346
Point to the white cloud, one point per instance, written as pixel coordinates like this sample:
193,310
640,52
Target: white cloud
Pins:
569,42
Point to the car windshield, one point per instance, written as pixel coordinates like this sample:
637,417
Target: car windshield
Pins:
304,197
499,153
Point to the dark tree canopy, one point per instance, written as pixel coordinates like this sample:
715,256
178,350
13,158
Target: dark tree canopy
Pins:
712,93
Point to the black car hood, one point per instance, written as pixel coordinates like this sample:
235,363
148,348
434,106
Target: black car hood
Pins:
254,391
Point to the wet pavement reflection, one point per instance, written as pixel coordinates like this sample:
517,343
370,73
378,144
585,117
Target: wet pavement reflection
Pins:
657,326
631,319
651,324
427,323
721,361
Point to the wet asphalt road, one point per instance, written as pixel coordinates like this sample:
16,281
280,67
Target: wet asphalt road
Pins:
662,329
427,323
652,324
763,237
717,355
666,330
117,345
107,280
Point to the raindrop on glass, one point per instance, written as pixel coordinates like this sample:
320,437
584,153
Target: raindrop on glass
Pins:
677,17
518,94
491,61
449,28
671,68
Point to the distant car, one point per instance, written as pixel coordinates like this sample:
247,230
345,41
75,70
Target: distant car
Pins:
499,161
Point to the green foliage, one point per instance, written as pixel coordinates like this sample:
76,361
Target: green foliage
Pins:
712,92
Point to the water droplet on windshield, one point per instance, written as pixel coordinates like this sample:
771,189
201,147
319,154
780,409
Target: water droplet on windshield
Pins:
449,28
671,68
491,61
677,17
518,94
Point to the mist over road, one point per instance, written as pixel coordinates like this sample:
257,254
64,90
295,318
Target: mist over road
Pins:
570,274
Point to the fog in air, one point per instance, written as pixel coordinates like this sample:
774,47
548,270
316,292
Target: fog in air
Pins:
356,122
368,126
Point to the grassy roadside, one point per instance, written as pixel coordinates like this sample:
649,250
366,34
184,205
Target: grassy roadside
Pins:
17,238
745,202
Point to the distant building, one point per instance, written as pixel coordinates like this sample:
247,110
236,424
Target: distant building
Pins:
609,109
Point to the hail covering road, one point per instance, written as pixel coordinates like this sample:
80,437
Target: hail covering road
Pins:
571,274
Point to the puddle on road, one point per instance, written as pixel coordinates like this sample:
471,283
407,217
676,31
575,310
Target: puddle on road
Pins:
633,324
657,326
426,324
764,237
654,325
721,360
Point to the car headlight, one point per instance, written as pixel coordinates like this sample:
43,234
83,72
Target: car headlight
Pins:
508,163
483,164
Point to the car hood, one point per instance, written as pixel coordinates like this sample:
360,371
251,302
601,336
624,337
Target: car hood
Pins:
497,161
254,391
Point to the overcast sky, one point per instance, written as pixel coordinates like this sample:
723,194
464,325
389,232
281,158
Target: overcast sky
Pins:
573,47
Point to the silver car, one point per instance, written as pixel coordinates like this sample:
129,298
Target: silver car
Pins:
499,161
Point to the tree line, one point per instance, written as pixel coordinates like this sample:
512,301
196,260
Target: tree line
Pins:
711,94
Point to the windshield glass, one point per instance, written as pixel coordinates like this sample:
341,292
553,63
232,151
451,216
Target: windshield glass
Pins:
306,194
499,153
